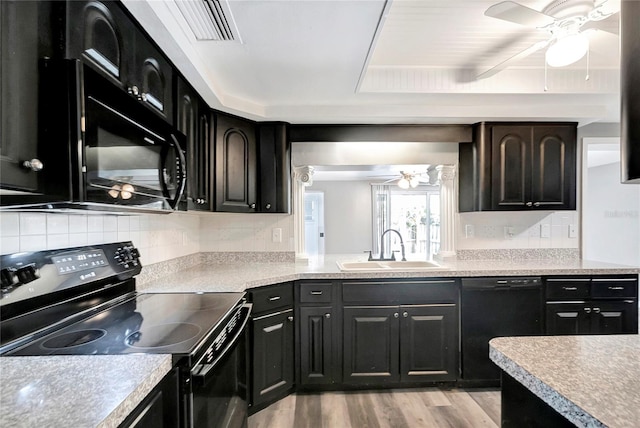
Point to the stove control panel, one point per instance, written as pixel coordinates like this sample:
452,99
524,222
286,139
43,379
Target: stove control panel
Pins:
127,256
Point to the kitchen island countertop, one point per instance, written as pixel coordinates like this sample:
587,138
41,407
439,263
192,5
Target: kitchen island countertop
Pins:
76,390
239,276
590,380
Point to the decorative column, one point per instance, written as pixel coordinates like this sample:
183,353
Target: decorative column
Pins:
302,177
446,178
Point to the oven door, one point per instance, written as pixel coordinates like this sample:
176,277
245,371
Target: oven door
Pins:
219,390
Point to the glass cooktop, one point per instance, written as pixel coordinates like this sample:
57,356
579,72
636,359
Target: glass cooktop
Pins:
163,323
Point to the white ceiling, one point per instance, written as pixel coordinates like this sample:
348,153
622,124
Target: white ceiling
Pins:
377,61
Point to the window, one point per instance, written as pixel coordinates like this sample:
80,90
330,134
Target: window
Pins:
415,213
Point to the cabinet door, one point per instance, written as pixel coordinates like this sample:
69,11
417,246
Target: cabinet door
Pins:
428,343
568,318
21,25
275,168
554,167
620,317
160,408
272,358
153,75
101,35
371,345
511,172
317,365
195,125
235,165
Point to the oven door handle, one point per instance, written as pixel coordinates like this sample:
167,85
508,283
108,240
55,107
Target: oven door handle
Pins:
199,373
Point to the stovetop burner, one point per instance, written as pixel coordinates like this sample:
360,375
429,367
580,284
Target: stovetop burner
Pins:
161,335
73,339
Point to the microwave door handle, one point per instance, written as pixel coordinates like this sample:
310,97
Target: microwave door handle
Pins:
182,176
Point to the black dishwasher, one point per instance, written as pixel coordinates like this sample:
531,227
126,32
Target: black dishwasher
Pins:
495,307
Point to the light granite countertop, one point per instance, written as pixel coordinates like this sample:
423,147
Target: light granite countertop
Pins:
591,380
76,391
239,276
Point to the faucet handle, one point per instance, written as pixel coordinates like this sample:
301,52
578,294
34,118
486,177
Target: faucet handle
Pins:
370,256
393,255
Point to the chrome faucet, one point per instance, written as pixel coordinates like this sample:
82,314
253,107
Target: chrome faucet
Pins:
393,256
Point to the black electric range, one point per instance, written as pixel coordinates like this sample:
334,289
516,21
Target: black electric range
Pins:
82,301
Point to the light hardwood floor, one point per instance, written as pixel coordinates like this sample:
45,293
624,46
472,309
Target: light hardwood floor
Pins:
394,408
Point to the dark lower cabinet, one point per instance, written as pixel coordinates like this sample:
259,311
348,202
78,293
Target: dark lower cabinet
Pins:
593,317
272,358
160,408
317,350
409,343
371,352
592,305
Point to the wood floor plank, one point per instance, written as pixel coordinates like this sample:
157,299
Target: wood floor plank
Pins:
394,408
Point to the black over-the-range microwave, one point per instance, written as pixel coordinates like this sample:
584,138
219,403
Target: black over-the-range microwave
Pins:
103,150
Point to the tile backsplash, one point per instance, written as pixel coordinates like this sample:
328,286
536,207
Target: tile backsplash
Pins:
521,230
159,237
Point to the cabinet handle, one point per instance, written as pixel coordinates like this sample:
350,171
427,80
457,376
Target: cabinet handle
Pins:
34,164
529,204
274,298
327,316
536,204
596,310
615,288
396,315
290,318
570,288
133,90
405,314
252,206
587,310
267,207
316,293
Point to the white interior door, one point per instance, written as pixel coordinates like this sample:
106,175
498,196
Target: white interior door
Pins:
314,223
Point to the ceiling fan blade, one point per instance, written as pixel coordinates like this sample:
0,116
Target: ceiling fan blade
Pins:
519,14
603,43
506,63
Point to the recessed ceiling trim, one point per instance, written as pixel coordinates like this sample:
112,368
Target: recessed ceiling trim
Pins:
209,19
372,46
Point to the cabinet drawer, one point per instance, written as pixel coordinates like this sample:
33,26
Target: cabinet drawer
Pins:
272,297
315,292
568,288
388,292
615,288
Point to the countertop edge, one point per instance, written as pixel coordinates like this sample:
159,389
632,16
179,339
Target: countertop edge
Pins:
128,405
564,406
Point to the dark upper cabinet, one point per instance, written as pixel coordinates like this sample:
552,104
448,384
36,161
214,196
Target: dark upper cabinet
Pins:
26,37
236,164
103,35
274,154
512,166
193,118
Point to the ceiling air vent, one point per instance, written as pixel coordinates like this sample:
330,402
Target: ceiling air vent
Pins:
208,19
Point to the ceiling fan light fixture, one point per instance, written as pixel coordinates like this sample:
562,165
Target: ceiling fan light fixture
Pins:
403,183
414,181
567,50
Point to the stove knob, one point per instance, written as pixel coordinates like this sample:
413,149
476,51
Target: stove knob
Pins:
27,274
8,277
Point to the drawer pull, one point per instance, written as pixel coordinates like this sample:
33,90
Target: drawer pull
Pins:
316,293
587,310
274,298
570,288
615,288
290,318
596,310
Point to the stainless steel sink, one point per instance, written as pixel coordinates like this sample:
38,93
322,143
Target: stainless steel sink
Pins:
374,265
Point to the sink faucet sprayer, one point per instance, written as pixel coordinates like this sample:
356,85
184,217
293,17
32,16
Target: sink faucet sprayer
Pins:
393,257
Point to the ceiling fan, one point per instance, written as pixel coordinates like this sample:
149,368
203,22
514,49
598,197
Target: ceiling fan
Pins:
411,180
569,24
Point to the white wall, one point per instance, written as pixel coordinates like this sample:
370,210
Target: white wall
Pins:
611,217
245,232
347,216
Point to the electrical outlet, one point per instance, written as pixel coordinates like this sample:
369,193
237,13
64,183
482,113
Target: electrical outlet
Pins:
276,234
573,231
545,231
509,231
469,231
